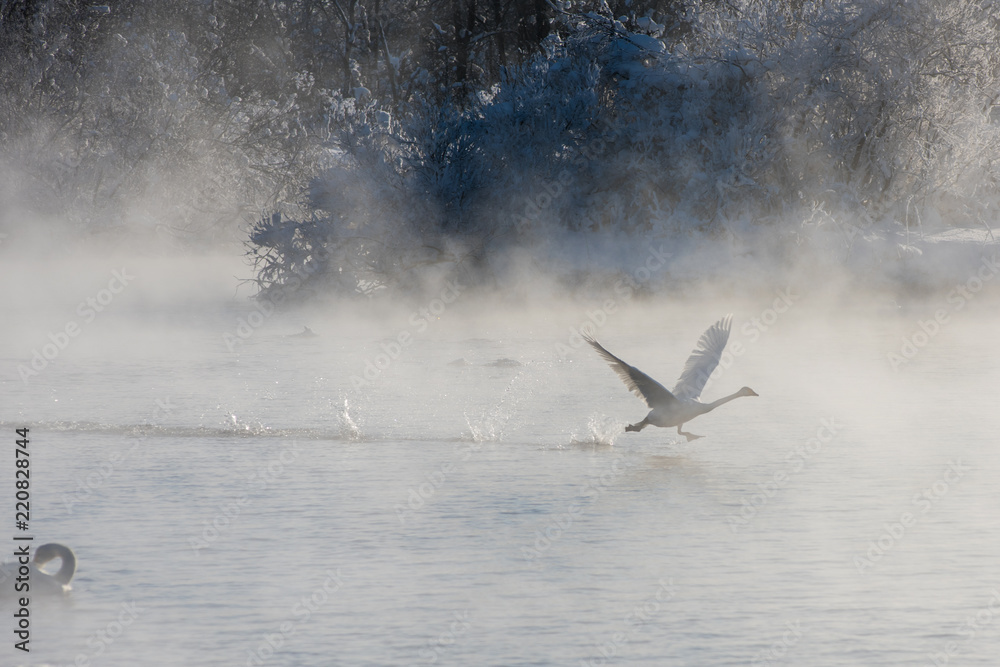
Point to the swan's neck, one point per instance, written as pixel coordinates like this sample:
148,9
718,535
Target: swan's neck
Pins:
725,399
67,566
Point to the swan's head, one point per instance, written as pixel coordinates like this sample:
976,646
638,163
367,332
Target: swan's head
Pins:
51,551
747,391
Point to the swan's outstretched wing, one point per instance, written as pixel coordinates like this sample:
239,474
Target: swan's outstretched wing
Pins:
704,359
643,386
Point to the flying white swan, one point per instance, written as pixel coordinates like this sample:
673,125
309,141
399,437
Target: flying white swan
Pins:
674,409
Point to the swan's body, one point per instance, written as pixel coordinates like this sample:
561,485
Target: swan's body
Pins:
40,582
682,405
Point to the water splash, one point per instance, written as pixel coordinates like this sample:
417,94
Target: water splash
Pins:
348,427
239,426
601,430
491,425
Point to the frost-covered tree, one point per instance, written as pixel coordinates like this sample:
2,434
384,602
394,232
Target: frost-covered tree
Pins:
735,120
389,141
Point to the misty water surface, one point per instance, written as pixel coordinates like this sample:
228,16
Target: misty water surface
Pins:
269,504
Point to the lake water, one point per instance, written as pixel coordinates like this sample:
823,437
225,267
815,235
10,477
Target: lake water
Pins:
259,506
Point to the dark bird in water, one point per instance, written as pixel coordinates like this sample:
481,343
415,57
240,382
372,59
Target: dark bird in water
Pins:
39,581
682,405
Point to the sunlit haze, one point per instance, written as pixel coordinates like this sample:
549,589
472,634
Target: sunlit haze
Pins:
321,323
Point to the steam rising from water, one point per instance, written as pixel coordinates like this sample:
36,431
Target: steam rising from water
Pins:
882,326
517,474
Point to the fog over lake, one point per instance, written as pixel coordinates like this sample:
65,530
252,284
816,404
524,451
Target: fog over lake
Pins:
470,495
583,333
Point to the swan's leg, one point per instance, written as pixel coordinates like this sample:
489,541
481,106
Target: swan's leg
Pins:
637,427
689,436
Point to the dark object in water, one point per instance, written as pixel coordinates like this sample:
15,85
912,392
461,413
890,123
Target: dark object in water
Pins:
305,333
459,362
41,582
505,363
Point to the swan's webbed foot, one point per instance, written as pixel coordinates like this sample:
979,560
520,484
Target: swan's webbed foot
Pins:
689,436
